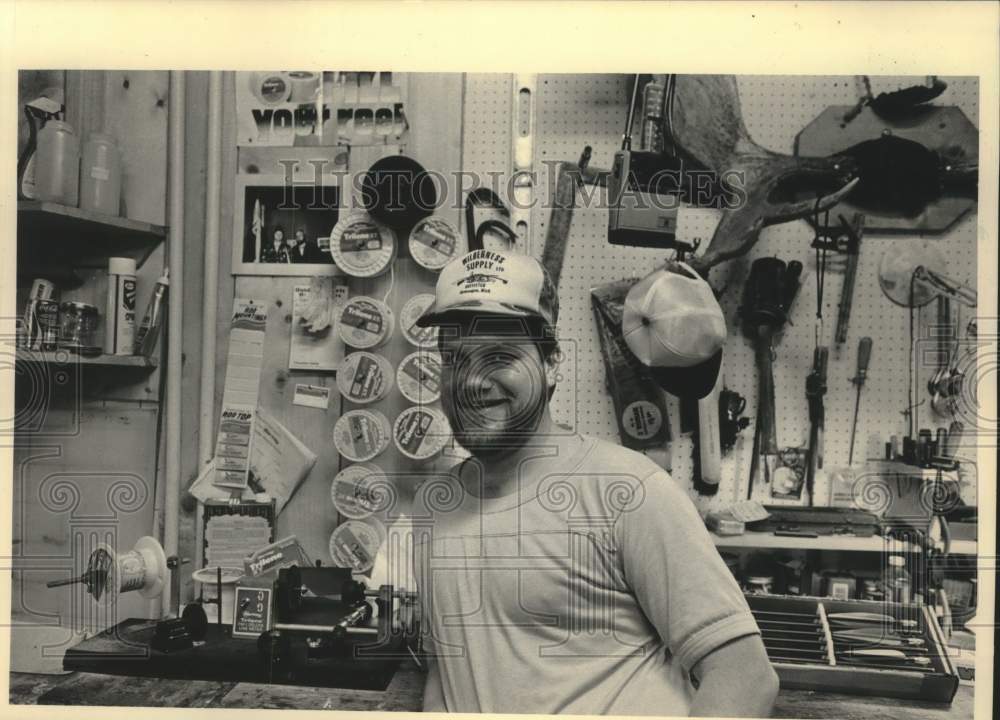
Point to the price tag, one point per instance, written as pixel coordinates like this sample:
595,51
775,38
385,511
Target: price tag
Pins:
251,611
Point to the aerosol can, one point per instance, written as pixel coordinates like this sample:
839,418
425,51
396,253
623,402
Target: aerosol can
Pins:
149,329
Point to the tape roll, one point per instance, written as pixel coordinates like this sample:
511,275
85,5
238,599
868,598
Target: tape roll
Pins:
421,432
361,435
364,377
412,310
305,85
365,322
270,88
361,246
354,545
419,377
433,242
351,490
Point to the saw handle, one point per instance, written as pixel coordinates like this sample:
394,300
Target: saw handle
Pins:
864,358
765,390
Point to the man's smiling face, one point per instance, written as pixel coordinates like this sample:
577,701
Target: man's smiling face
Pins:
494,387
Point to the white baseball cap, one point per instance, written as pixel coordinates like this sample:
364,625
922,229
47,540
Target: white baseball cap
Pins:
493,283
673,324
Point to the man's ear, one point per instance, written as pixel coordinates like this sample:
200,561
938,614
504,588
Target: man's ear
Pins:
551,372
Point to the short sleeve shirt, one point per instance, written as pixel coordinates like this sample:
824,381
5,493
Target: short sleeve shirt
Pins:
594,590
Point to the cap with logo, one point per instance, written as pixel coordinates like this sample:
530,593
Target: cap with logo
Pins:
673,324
493,283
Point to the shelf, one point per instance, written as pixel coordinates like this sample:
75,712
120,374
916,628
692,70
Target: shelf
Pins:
62,357
55,236
894,467
850,543
764,540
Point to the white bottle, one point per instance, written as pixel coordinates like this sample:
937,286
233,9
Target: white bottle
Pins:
100,175
119,323
57,164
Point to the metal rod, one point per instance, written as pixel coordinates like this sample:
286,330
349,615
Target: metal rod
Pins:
175,197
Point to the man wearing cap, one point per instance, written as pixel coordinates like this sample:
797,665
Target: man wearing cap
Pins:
558,572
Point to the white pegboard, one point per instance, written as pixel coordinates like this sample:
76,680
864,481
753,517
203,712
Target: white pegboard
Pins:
578,110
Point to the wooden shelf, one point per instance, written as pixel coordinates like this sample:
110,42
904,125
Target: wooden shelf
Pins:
850,543
894,467
62,357
55,236
764,540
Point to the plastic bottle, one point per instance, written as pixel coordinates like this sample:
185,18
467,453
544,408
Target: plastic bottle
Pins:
897,580
119,326
149,329
100,175
57,164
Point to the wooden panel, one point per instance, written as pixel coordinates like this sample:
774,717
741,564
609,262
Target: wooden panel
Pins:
309,515
97,479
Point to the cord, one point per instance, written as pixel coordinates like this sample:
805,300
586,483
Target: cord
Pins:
392,282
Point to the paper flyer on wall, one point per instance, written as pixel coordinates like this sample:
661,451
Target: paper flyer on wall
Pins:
299,108
239,398
279,462
315,342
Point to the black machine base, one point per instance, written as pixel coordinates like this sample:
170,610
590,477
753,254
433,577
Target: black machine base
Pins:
125,650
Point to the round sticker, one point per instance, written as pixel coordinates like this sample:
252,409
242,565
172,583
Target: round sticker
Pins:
354,545
365,322
422,337
419,377
360,435
364,377
433,242
642,419
351,490
421,432
361,246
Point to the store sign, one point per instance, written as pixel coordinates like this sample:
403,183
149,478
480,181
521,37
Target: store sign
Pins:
302,109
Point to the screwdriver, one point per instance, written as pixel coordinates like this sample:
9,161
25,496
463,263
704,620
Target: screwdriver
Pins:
864,356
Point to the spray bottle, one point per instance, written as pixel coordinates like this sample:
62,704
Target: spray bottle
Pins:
48,106
149,329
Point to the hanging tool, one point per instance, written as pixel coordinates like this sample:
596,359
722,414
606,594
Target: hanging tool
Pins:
768,295
853,250
815,390
860,375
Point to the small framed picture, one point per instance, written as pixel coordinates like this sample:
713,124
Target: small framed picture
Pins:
282,229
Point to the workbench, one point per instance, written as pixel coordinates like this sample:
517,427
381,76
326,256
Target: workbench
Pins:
404,693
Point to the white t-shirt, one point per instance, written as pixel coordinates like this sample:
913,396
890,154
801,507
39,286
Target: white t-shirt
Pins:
590,591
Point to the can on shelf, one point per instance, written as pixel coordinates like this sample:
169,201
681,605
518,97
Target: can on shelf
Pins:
47,313
759,584
78,327
30,332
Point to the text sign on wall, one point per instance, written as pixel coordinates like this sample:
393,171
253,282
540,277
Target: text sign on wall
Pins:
252,611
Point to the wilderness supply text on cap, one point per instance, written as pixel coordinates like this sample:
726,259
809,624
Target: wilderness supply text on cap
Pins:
673,324
495,283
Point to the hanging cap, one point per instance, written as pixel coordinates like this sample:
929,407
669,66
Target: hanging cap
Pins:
673,324
493,283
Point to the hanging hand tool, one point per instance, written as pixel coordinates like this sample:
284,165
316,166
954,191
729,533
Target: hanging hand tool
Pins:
853,250
861,374
768,294
815,390
708,443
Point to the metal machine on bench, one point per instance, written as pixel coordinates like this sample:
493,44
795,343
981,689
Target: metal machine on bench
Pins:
298,625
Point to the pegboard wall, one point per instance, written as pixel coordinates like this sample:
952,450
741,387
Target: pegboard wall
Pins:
573,111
